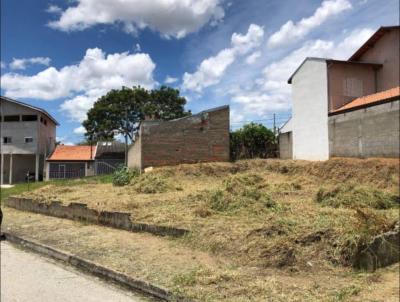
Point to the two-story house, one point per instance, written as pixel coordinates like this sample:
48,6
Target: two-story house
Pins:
346,108
28,136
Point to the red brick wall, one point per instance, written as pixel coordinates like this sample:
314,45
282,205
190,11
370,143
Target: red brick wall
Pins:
203,137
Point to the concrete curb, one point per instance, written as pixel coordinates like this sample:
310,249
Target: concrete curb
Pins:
95,269
80,212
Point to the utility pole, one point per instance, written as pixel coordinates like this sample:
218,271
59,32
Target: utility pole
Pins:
126,137
274,126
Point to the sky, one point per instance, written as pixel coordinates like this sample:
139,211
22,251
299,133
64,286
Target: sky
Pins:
62,55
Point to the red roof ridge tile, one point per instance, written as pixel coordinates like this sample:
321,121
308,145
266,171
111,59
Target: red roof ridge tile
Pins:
370,99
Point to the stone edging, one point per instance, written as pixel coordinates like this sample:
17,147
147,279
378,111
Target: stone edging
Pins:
95,269
80,212
381,251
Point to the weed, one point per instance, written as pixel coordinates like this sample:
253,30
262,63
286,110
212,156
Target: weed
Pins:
344,293
123,176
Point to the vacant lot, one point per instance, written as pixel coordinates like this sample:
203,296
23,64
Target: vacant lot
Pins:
281,230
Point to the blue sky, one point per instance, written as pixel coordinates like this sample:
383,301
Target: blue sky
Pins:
63,55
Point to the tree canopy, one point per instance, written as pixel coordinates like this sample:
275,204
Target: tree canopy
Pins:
253,140
120,111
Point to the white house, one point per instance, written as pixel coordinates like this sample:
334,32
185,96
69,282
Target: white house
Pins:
337,105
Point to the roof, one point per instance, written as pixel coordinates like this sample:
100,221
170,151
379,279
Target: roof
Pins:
370,100
372,40
73,153
31,107
332,61
112,149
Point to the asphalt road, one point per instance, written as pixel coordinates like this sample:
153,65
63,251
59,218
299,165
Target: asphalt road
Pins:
30,277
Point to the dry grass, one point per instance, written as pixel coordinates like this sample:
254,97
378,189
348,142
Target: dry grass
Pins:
285,217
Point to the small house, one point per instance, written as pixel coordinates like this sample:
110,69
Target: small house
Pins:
71,162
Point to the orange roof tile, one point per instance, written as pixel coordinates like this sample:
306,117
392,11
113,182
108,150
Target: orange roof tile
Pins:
73,153
371,99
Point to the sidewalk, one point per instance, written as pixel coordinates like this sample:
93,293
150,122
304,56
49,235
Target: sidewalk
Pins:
29,277
158,260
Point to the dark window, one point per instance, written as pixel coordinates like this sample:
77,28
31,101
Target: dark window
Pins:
7,140
45,122
11,118
28,140
29,118
41,119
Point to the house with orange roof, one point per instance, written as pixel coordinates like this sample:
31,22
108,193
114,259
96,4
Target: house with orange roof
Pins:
80,161
71,162
346,108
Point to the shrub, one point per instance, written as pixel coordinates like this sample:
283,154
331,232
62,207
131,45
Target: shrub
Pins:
123,176
251,141
352,196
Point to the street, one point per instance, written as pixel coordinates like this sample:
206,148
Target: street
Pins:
29,277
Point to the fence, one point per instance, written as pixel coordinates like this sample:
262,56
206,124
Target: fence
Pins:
107,167
67,174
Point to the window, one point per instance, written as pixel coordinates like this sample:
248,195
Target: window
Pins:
28,140
29,118
7,140
11,118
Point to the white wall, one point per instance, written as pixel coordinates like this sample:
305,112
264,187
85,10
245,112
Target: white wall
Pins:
310,111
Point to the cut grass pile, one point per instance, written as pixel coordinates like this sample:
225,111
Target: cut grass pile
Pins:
285,216
354,196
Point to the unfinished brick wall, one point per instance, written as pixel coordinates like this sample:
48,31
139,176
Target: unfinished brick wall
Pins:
203,137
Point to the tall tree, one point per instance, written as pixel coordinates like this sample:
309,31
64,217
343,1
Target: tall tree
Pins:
120,111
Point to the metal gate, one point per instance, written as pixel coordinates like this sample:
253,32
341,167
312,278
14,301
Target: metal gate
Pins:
109,167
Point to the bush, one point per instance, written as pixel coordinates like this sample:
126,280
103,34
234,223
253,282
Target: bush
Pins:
251,141
353,196
123,176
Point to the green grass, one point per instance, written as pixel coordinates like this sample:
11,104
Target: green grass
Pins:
25,187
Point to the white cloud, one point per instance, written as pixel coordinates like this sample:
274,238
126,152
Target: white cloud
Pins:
137,47
172,18
54,9
290,32
170,80
84,82
212,69
80,130
23,63
251,59
64,141
271,93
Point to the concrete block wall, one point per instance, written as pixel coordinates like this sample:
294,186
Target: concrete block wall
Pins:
368,132
203,137
285,145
